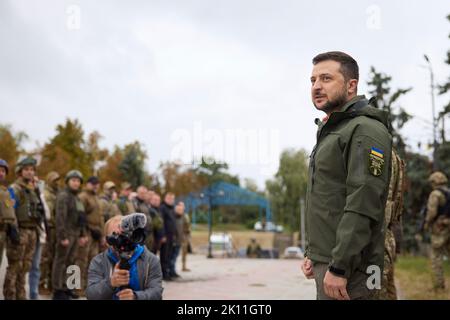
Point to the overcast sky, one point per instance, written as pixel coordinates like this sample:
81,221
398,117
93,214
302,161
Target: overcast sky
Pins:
229,78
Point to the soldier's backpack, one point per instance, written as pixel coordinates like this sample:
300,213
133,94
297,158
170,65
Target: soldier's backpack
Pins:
445,209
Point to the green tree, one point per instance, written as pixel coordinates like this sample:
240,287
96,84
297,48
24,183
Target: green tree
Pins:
443,151
133,164
288,187
385,100
213,171
443,89
66,150
110,171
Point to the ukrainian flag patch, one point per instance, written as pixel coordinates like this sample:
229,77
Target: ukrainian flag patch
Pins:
376,161
377,152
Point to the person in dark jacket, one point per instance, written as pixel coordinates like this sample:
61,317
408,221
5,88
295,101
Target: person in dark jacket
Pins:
167,210
71,232
106,279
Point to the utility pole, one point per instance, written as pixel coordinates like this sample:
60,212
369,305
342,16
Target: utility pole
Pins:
435,160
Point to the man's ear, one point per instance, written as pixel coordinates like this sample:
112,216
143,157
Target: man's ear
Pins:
352,87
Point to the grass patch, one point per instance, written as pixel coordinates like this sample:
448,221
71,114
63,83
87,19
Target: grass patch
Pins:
414,277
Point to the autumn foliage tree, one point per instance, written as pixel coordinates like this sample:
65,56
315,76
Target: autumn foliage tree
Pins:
10,148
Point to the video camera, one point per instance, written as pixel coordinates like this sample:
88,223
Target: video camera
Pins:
132,234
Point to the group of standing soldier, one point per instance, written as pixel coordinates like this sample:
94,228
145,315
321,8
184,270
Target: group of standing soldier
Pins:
46,229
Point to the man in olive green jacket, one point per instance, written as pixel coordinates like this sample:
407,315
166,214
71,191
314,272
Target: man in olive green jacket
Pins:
348,184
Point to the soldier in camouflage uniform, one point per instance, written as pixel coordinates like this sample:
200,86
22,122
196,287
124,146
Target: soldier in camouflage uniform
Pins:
50,192
95,223
437,221
393,212
108,204
124,203
8,221
71,232
29,216
141,205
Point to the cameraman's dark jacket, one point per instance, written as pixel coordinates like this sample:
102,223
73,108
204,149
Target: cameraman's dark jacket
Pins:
168,215
70,215
101,268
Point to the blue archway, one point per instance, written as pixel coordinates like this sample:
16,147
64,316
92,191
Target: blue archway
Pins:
226,194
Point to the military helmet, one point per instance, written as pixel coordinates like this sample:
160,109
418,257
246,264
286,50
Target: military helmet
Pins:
126,185
52,177
108,185
27,161
74,174
438,178
5,165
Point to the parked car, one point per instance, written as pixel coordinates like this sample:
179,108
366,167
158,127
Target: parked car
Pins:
293,253
270,227
222,244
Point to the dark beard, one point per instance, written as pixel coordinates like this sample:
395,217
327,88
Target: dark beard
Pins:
334,105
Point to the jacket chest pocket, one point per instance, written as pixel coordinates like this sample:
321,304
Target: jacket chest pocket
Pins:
329,156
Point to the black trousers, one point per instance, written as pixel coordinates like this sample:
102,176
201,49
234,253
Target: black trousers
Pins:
166,253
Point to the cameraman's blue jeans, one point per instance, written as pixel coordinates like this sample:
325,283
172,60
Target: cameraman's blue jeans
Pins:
35,272
173,259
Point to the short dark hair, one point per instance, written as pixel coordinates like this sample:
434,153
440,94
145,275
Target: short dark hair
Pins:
349,66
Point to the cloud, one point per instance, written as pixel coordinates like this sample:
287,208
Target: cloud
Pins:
145,69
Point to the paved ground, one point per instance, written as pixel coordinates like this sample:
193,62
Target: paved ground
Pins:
227,279
241,279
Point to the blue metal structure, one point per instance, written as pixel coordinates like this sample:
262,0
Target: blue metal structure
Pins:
226,194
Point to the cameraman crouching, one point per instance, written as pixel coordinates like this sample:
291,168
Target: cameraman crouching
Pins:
115,275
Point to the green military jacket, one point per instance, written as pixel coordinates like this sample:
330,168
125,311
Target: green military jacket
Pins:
349,174
125,205
70,215
108,207
92,207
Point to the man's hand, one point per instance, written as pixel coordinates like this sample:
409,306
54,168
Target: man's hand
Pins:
335,287
120,277
126,294
307,268
163,240
65,242
82,241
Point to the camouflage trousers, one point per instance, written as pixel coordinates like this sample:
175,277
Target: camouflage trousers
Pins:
388,290
64,257
83,257
48,254
20,258
440,246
